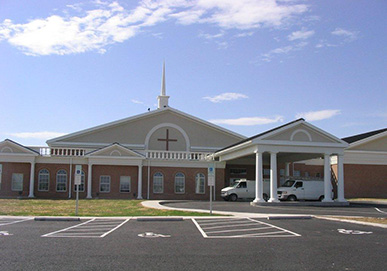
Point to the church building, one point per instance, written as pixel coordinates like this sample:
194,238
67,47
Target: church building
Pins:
166,154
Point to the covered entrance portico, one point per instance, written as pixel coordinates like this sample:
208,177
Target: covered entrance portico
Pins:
292,142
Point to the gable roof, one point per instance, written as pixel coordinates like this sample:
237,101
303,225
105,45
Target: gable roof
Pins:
19,146
113,146
262,134
141,116
355,138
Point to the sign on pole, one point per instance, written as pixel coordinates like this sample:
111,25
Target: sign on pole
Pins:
77,182
211,174
211,181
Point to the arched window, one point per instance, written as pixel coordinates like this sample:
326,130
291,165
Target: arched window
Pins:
43,180
179,183
82,185
61,181
200,181
158,183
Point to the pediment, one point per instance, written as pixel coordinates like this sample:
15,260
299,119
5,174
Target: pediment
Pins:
374,143
301,132
136,133
11,147
115,150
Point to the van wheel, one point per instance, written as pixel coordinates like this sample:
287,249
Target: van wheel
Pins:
292,198
265,197
321,198
233,197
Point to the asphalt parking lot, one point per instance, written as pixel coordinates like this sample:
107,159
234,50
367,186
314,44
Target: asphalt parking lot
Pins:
355,209
192,244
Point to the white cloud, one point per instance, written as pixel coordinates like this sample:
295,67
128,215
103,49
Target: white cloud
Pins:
248,121
92,29
228,96
37,135
136,101
349,35
318,115
267,57
302,34
244,34
211,36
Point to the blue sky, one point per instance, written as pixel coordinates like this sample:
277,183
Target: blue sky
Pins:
245,65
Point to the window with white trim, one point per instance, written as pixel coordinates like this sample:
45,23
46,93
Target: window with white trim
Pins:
158,183
124,184
17,182
82,185
104,184
61,181
179,183
43,180
200,181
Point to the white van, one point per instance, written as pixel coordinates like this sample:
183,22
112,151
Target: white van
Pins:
244,189
301,190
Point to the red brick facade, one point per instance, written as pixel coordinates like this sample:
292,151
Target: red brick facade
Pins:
364,181
6,180
360,180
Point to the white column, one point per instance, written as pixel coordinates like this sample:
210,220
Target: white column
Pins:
340,181
273,177
258,178
287,169
139,192
327,179
89,175
32,180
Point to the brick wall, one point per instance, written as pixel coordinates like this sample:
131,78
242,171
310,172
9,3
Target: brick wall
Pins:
6,183
369,181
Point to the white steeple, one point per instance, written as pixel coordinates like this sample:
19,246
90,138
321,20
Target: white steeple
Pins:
163,98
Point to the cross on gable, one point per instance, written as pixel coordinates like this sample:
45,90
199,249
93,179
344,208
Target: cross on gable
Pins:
167,140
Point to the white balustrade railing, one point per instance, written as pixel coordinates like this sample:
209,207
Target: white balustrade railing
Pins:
62,152
177,155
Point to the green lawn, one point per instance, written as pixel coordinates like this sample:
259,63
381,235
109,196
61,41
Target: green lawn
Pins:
100,207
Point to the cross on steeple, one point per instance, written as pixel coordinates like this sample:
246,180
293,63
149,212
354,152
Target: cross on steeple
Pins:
167,140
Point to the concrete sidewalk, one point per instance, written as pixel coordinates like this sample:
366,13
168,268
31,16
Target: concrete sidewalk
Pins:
157,204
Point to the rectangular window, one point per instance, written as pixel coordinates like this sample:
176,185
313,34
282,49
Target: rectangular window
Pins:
266,172
238,171
43,182
104,184
17,182
158,180
306,174
124,184
296,173
282,172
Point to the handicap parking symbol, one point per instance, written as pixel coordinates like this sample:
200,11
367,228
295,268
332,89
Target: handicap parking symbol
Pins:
5,233
344,231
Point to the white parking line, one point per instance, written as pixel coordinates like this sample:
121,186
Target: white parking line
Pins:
9,221
90,229
240,228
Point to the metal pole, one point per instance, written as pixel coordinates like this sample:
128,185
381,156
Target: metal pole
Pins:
211,200
76,201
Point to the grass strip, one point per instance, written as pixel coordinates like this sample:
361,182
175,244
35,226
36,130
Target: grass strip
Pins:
98,208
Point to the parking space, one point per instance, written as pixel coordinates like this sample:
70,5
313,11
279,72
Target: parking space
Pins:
239,228
94,228
231,243
12,220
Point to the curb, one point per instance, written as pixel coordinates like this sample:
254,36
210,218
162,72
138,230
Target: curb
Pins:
290,217
57,219
159,219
